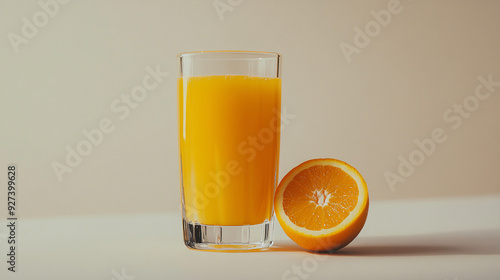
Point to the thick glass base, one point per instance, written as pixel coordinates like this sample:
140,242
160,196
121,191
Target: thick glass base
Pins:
208,237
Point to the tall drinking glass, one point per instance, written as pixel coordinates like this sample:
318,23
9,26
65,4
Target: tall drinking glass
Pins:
229,105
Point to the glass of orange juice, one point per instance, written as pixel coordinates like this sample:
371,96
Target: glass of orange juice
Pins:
229,105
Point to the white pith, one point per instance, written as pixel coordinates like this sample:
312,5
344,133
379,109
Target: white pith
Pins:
321,197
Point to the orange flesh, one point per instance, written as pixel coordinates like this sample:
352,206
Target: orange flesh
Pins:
320,197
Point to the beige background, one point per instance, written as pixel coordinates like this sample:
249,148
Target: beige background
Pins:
368,112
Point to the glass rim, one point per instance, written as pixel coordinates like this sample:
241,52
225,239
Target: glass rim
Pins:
233,52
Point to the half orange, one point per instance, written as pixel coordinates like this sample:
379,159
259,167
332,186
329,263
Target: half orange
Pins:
322,204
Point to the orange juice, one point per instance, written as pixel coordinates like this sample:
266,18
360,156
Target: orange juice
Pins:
229,135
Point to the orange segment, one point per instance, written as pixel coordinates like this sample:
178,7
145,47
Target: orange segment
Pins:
314,200
322,204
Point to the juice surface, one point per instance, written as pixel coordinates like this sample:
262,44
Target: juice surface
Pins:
229,135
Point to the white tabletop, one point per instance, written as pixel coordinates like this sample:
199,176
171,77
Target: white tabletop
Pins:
452,238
